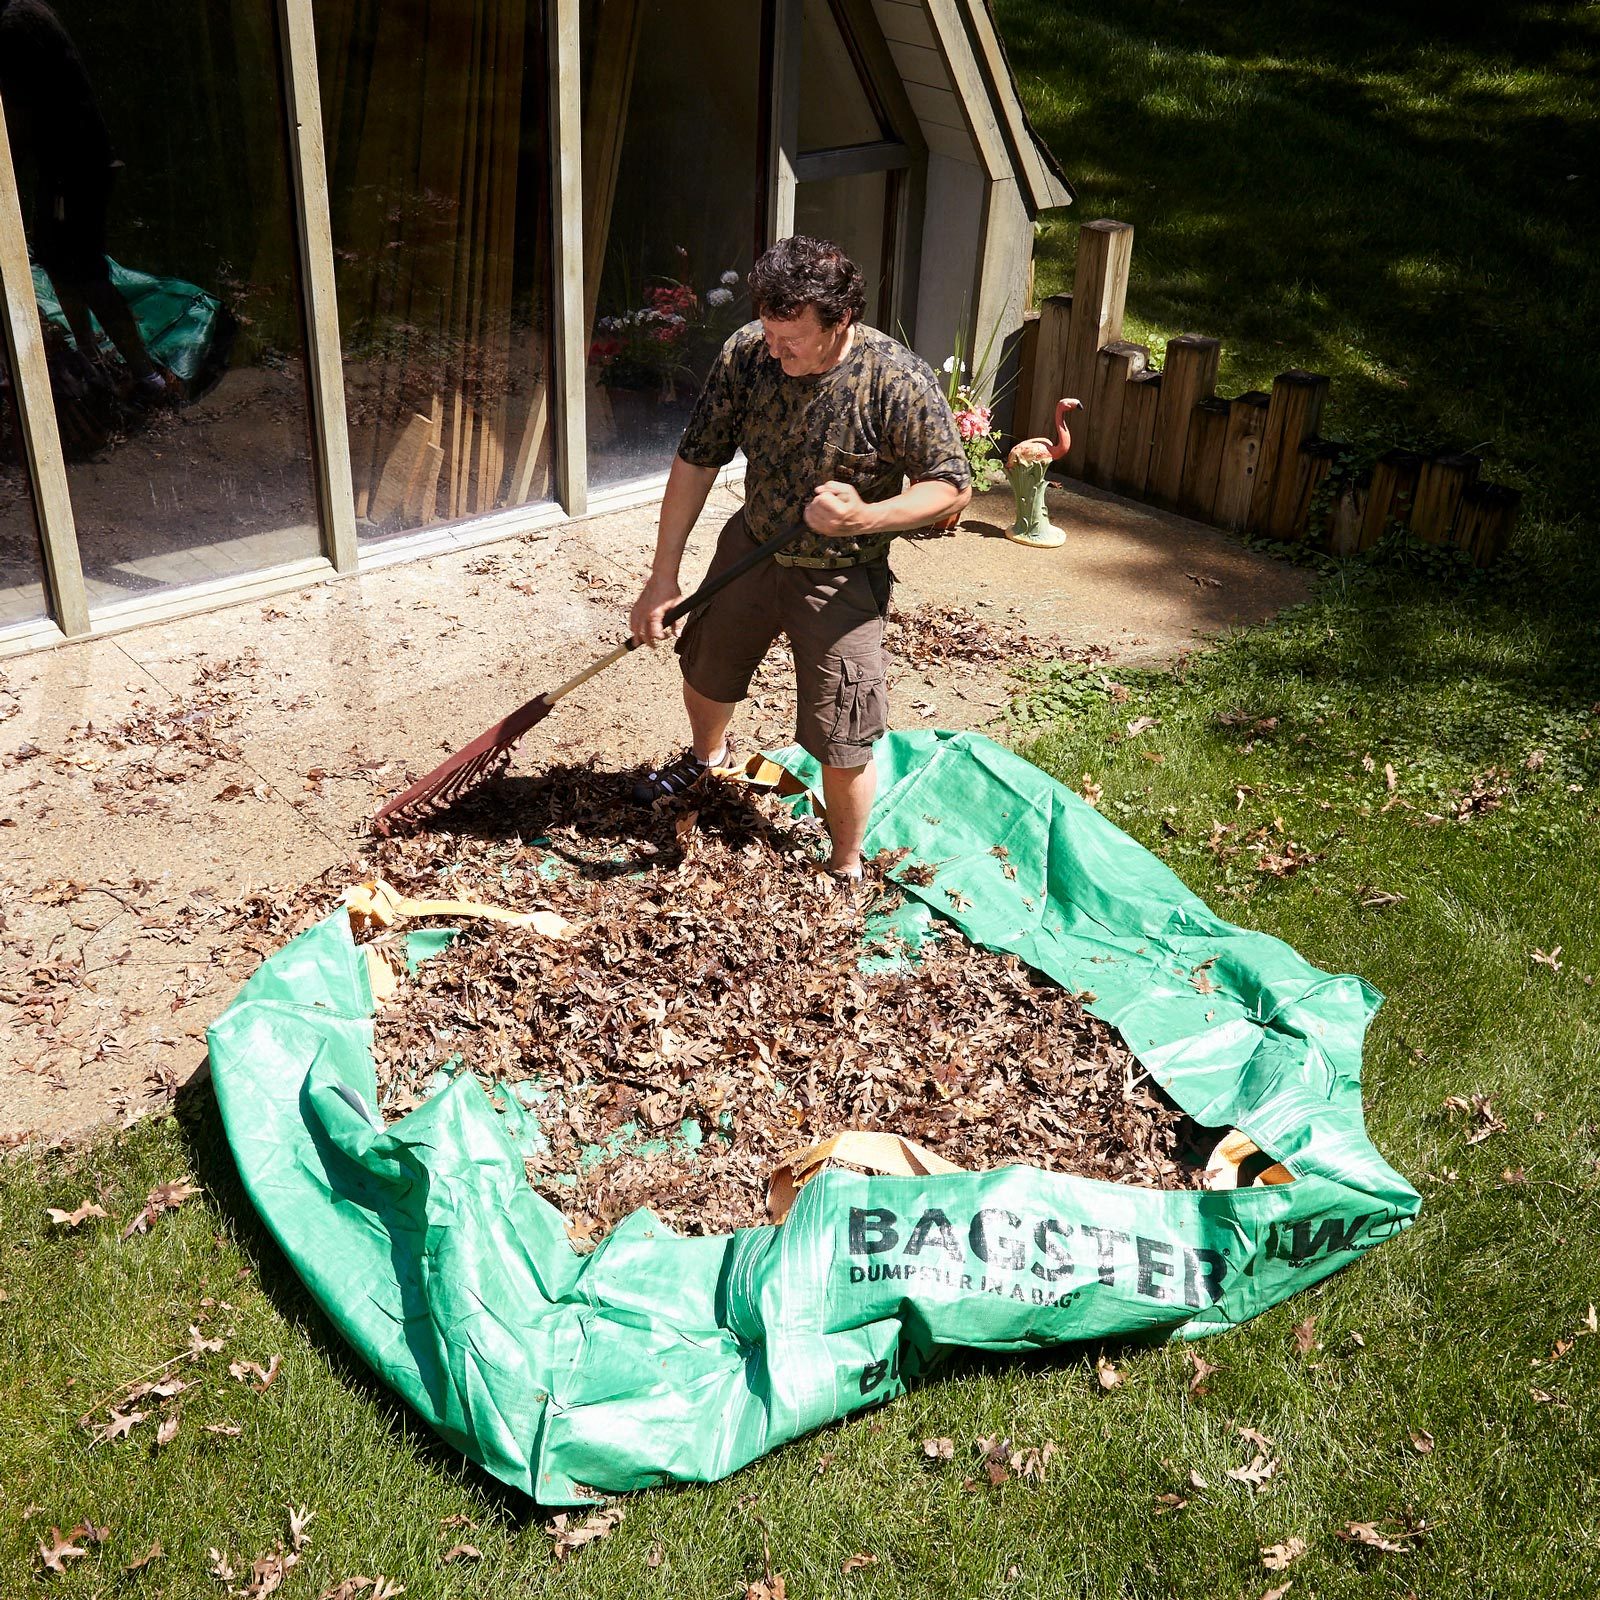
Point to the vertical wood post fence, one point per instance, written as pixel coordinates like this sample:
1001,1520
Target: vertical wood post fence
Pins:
1256,463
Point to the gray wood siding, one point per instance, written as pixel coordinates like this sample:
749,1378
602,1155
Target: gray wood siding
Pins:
926,77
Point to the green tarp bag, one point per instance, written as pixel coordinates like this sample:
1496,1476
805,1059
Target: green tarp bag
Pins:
657,1357
184,328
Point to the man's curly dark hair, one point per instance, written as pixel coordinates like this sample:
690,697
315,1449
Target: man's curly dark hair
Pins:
801,271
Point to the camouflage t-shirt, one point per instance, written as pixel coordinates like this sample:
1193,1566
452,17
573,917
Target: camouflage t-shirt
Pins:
875,418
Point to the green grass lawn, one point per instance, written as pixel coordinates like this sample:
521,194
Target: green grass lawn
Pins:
1334,187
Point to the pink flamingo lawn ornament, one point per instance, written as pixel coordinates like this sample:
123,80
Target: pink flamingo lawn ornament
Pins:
1026,467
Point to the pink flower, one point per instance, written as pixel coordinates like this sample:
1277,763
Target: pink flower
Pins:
973,424
675,298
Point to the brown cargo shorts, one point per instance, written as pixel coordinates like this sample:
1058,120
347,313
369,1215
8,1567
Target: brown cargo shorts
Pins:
834,623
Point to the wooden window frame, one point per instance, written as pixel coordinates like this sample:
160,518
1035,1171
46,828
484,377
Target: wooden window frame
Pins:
901,155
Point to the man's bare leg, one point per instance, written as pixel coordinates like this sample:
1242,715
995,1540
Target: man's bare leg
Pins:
848,792
708,724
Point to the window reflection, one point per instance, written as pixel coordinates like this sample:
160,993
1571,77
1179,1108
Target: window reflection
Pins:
22,592
151,162
438,160
671,180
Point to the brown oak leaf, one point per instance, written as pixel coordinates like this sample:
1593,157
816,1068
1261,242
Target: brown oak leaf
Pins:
1369,1535
570,1535
1256,1471
1275,1557
166,1197
263,1376
60,1550
122,1423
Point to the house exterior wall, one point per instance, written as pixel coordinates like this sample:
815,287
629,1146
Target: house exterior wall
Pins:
952,233
964,240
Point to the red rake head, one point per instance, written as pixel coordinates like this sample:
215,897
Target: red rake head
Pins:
486,757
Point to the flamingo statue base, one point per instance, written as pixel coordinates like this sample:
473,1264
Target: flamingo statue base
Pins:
1026,468
1033,525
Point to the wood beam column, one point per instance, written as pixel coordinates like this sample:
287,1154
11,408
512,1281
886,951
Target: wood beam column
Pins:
570,337
308,178
783,149
36,409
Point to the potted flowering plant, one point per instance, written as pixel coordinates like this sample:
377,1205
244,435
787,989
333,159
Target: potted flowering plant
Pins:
661,345
966,378
975,423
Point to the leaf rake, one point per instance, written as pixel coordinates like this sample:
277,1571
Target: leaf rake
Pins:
490,753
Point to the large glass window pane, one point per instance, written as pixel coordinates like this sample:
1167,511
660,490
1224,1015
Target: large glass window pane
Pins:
436,119
151,156
22,591
671,186
835,106
853,213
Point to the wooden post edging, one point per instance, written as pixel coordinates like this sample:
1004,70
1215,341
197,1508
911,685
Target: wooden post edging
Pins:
1440,487
1241,450
1043,385
1099,292
1139,404
1202,457
1189,377
1484,521
1292,417
1253,464
1115,364
1394,487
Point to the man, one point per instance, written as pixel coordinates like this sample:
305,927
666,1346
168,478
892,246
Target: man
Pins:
831,416
52,112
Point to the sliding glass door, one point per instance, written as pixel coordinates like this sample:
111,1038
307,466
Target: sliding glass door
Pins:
153,175
436,120
671,182
22,590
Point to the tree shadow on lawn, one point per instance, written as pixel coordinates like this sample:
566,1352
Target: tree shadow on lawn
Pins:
212,1162
1404,200
1501,646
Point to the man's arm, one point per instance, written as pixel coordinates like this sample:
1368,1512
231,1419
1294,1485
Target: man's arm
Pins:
681,505
837,512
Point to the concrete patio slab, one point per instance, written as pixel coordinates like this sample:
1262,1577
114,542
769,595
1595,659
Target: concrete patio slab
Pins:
153,780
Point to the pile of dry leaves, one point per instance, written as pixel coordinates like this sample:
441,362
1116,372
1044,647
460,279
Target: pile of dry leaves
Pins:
709,999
